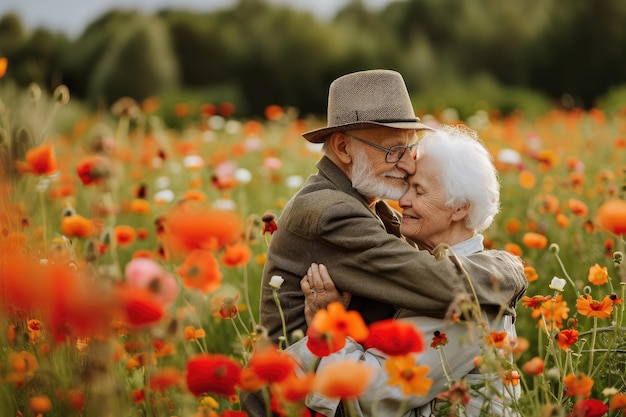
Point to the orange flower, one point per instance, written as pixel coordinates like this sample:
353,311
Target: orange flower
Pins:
394,338
498,339
343,379
191,333
140,206
201,271
534,240
577,207
124,235
40,404
271,365
550,204
295,388
531,273
513,226
589,307
535,301
164,378
217,374
527,179
194,195
534,366
249,381
39,160
22,365
578,385
274,112
329,328
612,216
404,372
4,63
562,221
236,254
567,338
190,225
76,226
598,275
618,402
513,248
554,311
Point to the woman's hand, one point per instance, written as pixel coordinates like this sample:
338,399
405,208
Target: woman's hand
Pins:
319,291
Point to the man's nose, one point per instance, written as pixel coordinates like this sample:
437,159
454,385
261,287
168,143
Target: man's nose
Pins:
407,162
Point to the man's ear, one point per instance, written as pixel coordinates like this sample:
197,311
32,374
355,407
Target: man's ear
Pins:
338,142
461,212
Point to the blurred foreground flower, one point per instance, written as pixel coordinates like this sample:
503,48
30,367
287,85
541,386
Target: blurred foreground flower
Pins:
39,161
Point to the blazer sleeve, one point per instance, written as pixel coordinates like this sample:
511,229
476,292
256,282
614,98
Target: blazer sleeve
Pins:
380,266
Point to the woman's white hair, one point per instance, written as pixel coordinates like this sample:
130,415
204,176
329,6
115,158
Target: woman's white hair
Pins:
467,172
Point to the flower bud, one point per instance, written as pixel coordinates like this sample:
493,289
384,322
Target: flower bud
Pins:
558,284
276,281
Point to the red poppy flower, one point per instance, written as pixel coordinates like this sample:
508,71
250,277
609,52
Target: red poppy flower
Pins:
94,169
124,234
588,408
394,337
271,365
439,339
139,305
216,374
567,338
269,223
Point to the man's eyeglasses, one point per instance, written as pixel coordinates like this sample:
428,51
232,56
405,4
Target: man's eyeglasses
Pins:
394,154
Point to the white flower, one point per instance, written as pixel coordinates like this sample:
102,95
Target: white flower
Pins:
294,181
609,391
243,176
276,281
509,156
164,196
193,162
558,284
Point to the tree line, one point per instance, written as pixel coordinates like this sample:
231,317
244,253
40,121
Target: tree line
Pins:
256,53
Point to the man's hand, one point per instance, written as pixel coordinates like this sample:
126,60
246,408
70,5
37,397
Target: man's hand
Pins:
319,291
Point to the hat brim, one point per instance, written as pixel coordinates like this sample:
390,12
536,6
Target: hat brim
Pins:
319,135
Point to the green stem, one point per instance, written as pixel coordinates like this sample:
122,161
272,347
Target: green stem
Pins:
558,258
282,316
593,343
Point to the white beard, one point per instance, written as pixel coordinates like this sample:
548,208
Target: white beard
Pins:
368,184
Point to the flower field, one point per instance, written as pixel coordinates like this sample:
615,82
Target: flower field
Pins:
131,257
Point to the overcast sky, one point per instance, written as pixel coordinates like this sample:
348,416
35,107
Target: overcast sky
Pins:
72,16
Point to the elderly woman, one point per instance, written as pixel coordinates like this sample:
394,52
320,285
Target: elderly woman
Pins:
451,199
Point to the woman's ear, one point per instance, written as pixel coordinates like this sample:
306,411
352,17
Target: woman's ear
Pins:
461,212
339,142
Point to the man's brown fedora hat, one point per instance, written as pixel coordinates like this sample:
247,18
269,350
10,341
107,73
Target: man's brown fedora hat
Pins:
367,99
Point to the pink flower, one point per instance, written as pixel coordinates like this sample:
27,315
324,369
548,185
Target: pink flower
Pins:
147,274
